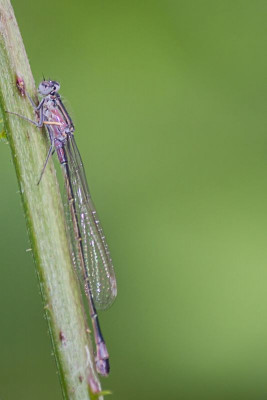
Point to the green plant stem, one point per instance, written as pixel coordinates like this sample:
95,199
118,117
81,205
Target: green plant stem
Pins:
45,220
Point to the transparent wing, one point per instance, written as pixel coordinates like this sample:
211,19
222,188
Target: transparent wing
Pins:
97,257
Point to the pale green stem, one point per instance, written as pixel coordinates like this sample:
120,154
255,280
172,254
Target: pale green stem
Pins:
45,220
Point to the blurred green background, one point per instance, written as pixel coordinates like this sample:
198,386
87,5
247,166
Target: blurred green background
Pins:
169,103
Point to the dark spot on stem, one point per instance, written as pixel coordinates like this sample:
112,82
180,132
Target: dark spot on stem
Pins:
62,338
20,85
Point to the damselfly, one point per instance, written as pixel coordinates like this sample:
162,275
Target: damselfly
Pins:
93,263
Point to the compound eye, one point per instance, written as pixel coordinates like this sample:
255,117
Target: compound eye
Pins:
56,86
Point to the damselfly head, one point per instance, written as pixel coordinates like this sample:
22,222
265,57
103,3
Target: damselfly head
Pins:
48,87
